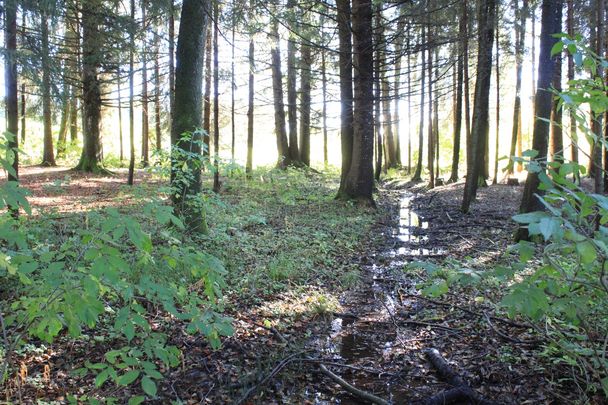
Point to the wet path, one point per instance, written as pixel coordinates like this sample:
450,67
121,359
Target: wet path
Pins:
368,336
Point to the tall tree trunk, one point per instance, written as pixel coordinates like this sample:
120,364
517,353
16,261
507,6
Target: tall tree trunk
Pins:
120,133
377,123
418,173
171,59
387,120
346,91
305,101
497,143
145,128
75,66
324,107
207,96
409,104
131,98
596,120
520,41
157,90
292,95
458,100
216,98
550,24
397,84
232,89
436,116
557,137
63,124
431,132
23,104
360,179
284,159
486,15
48,156
10,89
250,108
187,113
467,81
90,159
573,132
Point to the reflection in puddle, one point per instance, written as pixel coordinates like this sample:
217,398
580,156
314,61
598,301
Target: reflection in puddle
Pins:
360,341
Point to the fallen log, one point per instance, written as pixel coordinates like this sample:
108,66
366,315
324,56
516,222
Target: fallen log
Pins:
461,391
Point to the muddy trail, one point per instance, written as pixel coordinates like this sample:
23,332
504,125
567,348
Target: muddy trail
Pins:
391,341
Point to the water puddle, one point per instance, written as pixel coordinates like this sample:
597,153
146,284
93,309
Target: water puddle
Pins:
371,339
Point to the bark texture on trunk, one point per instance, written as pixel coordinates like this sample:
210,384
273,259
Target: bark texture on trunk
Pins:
360,179
346,90
187,114
279,106
486,14
550,24
48,155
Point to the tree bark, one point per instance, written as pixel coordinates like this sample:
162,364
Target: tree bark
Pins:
573,132
250,109
305,101
550,24
157,90
418,173
486,14
120,133
324,108
497,143
145,128
292,95
431,131
520,41
216,99
284,159
207,96
458,100
171,59
48,156
360,179
187,114
10,88
346,90
130,177
90,159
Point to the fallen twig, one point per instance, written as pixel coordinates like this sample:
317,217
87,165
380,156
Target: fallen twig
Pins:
364,395
507,337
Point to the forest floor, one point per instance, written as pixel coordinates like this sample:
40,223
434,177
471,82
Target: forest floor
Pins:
318,283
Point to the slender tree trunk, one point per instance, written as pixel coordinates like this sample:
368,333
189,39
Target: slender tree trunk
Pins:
90,159
131,98
277,90
458,101
377,124
250,109
145,128
520,41
436,117
216,98
292,95
557,137
232,88
346,91
360,179
409,105
418,172
48,157
467,81
10,89
397,84
550,24
387,120
187,114
63,124
74,65
479,135
596,120
171,59
305,101
23,104
497,143
207,96
120,133
431,132
573,132
324,108
157,90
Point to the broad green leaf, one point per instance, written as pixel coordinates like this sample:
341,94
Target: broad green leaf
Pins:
148,386
128,377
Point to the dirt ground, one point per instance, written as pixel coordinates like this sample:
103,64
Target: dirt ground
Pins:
377,339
